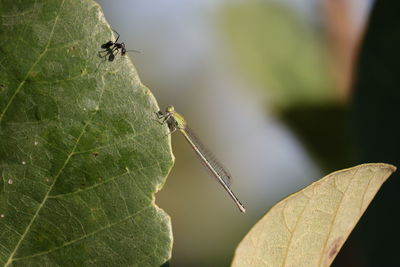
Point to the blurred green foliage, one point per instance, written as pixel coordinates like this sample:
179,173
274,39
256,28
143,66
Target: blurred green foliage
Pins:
280,52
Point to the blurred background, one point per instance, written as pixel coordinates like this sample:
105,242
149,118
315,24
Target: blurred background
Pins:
282,93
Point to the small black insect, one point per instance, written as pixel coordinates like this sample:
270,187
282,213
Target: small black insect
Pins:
111,47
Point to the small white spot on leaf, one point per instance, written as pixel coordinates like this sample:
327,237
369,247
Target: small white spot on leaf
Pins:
10,181
23,162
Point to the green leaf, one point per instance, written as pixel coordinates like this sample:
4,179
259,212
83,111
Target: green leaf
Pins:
309,227
81,155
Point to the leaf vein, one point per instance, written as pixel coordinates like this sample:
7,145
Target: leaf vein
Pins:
335,216
295,226
84,236
89,187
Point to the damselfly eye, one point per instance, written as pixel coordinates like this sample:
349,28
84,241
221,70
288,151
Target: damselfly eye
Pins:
170,109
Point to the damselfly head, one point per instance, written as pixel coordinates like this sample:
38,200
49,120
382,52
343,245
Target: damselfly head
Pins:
170,109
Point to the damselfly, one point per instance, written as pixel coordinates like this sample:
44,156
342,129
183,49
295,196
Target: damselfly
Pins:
175,121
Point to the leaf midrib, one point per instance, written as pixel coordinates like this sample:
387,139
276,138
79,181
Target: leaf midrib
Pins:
11,257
